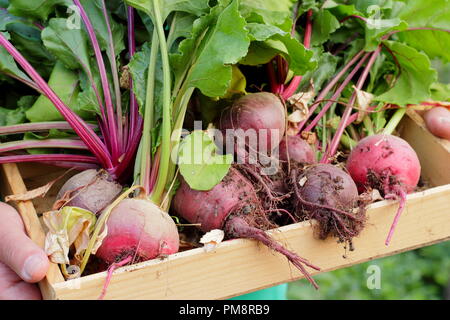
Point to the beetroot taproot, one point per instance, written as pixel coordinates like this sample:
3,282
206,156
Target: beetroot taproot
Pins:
234,207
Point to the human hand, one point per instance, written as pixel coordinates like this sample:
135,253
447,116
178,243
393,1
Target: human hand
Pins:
22,262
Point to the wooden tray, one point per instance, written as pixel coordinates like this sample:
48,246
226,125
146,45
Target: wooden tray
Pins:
241,266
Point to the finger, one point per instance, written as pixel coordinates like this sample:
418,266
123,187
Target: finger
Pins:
13,288
18,251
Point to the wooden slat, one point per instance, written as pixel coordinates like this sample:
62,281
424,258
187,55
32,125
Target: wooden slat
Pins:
33,227
241,266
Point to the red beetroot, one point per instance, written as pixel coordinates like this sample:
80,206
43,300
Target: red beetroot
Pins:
328,194
94,190
138,228
260,115
387,163
294,148
234,207
437,121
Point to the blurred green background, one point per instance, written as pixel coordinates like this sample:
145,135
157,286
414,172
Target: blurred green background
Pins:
414,275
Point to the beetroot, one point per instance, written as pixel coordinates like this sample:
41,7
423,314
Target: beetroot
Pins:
234,207
259,115
138,228
437,121
93,190
328,194
387,163
294,148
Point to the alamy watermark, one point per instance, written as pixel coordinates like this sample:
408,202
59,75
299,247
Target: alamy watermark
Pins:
374,277
74,19
249,146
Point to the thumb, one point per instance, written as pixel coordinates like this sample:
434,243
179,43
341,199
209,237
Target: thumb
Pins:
18,251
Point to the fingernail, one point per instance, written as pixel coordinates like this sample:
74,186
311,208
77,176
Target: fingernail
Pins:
32,267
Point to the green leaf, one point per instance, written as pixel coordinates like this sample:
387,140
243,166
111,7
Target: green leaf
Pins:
69,45
324,23
181,27
271,41
271,12
262,32
211,70
8,65
138,67
440,92
238,83
9,117
326,68
420,14
199,164
65,84
94,11
376,29
6,19
25,102
27,39
39,9
415,77
51,134
195,7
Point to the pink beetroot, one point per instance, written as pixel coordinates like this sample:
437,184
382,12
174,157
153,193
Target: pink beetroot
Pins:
138,228
387,163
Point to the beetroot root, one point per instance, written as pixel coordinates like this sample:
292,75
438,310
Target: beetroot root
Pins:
260,113
387,163
437,121
138,228
234,207
328,194
94,190
294,148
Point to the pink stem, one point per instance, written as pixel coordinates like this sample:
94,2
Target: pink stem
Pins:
112,126
48,157
154,172
50,143
94,143
353,16
295,82
329,86
111,270
401,195
337,94
24,81
387,36
115,76
342,124
274,85
134,114
38,127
